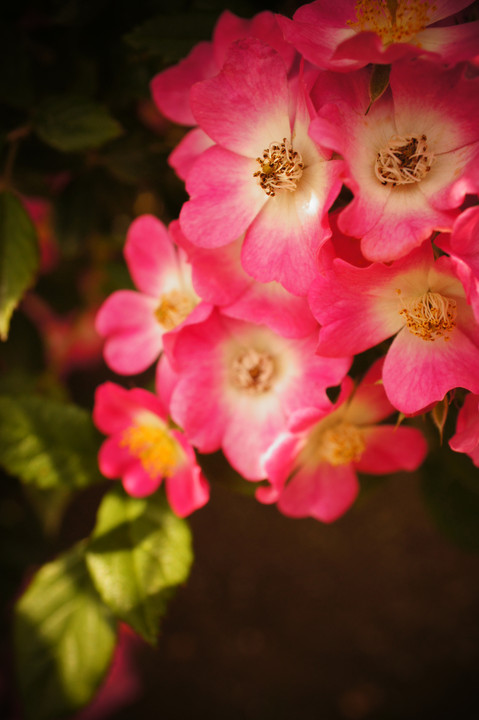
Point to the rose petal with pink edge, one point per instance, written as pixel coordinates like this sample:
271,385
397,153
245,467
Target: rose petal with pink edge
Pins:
454,43
170,89
246,106
225,198
188,150
279,459
390,449
325,492
417,373
150,255
369,403
117,408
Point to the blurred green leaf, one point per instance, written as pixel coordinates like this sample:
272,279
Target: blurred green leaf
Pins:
71,123
378,83
138,553
172,36
64,639
48,443
19,256
450,487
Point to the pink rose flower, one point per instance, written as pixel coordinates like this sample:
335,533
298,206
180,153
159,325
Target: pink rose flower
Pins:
143,450
312,467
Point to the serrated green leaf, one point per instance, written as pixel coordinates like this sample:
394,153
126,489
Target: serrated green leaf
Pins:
138,553
19,256
48,443
71,123
64,639
450,487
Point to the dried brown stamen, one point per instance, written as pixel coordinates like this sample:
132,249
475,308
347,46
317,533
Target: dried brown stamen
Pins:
174,307
253,371
405,160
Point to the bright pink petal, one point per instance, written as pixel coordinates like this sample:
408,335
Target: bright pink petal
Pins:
369,403
245,107
113,459
466,438
417,373
134,338
225,198
188,150
138,482
187,489
325,492
116,408
454,43
171,88
390,449
150,254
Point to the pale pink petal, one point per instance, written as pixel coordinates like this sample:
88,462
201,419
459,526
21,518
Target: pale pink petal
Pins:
369,403
150,254
325,492
245,107
170,89
225,198
454,43
390,449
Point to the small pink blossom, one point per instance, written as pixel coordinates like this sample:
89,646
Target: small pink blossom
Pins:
312,466
410,160
419,301
136,323
143,450
349,34
239,382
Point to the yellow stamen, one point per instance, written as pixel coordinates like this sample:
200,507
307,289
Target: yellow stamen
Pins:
393,21
153,445
281,168
430,316
340,444
174,307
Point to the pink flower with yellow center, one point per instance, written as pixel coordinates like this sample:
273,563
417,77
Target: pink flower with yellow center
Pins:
238,382
134,324
312,467
264,178
349,34
143,450
411,159
419,301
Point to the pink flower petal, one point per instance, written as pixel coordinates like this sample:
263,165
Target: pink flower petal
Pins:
390,449
150,254
188,150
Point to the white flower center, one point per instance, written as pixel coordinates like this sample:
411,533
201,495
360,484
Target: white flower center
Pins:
405,160
281,168
253,372
393,20
174,307
429,316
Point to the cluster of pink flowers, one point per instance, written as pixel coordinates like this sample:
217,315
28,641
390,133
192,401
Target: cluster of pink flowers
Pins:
329,212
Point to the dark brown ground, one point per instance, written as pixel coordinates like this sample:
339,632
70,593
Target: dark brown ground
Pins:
375,616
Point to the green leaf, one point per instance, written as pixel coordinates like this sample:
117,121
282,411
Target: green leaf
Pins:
138,553
48,443
19,256
64,639
71,123
450,487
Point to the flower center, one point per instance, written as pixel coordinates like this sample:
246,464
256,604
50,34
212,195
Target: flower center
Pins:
154,447
281,168
253,372
393,20
174,307
404,161
430,316
341,444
